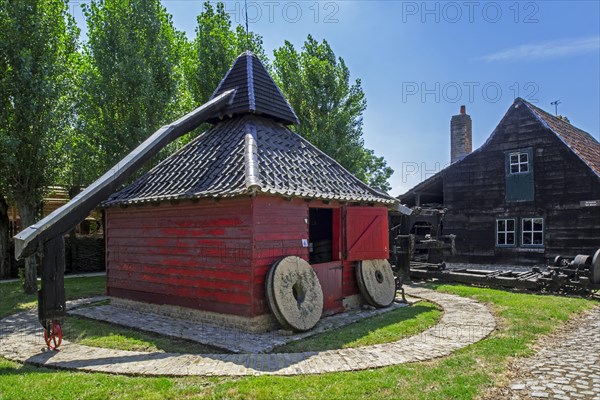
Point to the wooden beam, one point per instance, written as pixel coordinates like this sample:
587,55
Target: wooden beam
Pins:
52,305
66,217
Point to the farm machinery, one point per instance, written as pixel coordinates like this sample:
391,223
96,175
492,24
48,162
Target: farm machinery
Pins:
418,250
579,274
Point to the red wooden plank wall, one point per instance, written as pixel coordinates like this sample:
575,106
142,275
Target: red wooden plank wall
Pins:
214,256
349,285
279,227
189,254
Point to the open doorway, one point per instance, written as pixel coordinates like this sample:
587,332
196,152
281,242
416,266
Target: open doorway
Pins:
322,236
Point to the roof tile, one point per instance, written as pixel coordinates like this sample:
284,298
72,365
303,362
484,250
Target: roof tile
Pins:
214,165
580,142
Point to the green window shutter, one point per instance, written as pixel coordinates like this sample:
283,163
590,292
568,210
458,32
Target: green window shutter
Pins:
519,175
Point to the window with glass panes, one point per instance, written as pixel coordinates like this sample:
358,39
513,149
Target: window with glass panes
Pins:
532,231
519,163
505,232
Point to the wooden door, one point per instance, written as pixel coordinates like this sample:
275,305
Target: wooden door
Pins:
366,233
330,278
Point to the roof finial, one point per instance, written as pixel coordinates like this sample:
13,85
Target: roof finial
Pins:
247,34
555,103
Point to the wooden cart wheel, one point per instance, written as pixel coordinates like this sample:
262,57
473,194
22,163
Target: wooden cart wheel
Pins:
53,335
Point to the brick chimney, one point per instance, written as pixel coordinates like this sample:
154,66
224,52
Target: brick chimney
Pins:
461,135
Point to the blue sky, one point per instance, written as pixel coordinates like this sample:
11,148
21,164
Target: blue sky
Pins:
419,61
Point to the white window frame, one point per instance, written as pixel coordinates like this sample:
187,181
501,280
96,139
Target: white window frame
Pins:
532,232
522,166
505,232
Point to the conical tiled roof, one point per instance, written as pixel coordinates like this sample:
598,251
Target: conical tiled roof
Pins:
244,155
256,92
251,150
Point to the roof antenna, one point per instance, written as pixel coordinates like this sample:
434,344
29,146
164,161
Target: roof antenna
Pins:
247,34
555,103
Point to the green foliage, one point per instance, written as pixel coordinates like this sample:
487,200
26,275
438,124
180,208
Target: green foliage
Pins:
330,107
37,42
79,157
374,170
213,51
130,82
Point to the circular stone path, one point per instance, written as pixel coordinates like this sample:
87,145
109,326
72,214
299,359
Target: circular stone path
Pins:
463,322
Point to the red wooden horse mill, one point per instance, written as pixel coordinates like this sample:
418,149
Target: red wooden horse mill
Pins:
197,236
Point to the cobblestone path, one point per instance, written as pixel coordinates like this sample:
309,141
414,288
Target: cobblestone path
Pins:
232,340
565,366
463,322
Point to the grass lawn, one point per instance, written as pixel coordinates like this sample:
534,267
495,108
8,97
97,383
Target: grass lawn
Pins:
385,328
14,300
463,375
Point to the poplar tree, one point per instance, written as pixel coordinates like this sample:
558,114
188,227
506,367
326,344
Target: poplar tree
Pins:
318,86
37,41
130,81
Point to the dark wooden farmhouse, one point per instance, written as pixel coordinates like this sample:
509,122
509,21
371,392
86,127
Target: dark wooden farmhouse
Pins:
197,234
529,193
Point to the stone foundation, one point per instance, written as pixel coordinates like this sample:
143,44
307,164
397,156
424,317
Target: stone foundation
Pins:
262,323
352,302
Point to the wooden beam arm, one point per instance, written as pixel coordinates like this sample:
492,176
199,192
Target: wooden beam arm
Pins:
68,216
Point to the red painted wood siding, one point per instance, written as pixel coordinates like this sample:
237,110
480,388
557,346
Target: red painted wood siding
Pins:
349,284
214,256
366,233
279,227
189,254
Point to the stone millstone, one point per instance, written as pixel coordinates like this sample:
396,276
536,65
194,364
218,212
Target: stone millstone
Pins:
376,282
271,298
294,293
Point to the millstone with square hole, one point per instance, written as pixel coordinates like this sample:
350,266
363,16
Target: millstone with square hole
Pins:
294,293
376,282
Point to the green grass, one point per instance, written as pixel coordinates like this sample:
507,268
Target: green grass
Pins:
95,333
14,300
463,375
384,328
101,334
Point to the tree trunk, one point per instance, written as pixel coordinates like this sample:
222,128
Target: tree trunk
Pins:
27,214
4,239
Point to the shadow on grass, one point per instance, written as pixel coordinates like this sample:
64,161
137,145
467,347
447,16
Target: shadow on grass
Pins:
385,328
23,369
94,333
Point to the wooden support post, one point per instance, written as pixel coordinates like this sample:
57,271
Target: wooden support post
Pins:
52,301
406,245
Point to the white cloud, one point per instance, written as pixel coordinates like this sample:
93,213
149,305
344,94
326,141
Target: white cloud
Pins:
545,50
